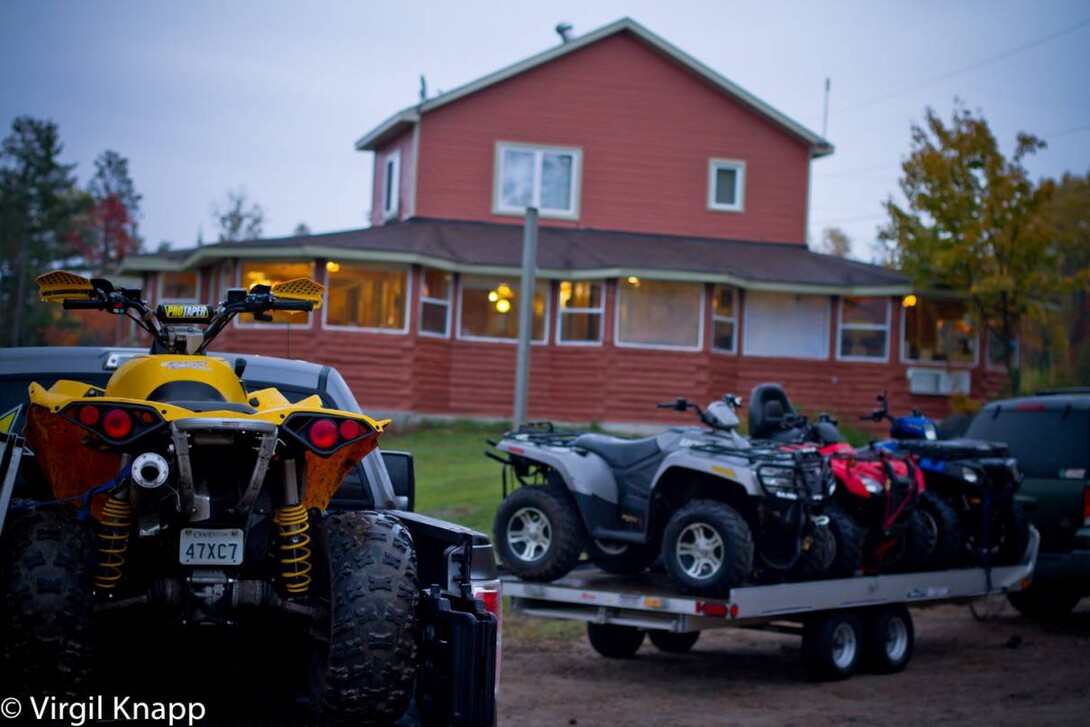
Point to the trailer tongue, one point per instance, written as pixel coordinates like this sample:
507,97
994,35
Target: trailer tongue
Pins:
845,623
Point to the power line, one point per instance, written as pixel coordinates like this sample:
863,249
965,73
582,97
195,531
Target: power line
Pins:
1065,132
972,67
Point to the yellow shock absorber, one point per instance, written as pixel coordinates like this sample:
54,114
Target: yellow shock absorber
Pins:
112,541
294,548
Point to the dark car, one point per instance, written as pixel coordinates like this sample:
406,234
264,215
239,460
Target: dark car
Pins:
1050,436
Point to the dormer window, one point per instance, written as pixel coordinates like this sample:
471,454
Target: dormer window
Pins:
726,185
535,176
391,183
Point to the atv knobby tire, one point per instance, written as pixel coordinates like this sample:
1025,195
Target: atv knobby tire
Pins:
365,672
943,520
1015,536
912,548
837,549
538,533
722,533
46,570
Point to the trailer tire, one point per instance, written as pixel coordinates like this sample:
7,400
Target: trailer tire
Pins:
831,646
718,528
673,643
613,641
888,639
363,672
47,625
538,518
844,538
941,519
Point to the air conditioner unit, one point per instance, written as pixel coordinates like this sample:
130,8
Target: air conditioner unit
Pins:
938,382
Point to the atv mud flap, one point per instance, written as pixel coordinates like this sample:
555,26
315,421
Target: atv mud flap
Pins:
11,452
458,661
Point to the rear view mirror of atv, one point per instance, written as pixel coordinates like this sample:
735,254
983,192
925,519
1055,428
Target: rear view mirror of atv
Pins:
403,477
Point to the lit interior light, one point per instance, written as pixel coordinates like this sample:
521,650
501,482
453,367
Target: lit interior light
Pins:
909,301
493,296
633,280
503,305
332,266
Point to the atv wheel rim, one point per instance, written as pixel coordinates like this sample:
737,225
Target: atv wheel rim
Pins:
896,640
700,551
844,646
529,534
931,529
610,547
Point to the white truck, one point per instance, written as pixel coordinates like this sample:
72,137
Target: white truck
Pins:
845,624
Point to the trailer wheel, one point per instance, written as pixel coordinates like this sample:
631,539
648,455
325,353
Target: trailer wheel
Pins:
538,533
707,548
831,647
888,639
671,642
615,642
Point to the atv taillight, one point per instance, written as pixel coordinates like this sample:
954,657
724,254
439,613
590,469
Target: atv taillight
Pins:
323,434
349,429
117,424
1086,506
88,415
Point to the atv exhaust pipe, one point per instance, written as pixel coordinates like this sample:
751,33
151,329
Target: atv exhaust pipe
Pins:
150,470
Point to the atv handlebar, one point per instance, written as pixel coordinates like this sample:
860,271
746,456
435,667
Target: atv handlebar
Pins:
297,305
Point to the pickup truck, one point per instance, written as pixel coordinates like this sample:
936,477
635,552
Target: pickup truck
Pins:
459,602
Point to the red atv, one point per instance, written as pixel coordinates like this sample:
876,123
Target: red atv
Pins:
906,527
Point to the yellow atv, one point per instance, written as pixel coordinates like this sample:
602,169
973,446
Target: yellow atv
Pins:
180,494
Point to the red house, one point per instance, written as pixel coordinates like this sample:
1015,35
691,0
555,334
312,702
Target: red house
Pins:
672,257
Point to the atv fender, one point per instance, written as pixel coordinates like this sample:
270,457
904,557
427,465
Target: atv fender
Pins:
735,470
584,473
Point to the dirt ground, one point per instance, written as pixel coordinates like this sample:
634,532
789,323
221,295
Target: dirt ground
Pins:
1005,670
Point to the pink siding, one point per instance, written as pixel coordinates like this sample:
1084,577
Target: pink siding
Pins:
404,144
647,129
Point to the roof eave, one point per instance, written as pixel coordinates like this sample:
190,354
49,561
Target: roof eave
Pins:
392,127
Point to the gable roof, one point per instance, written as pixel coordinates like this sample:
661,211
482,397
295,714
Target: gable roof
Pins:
406,118
563,253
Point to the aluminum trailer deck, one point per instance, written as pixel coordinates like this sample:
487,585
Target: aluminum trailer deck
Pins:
843,622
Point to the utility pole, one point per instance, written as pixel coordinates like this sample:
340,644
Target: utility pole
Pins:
825,111
526,315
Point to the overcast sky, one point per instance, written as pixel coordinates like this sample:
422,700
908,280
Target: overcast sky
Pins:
203,97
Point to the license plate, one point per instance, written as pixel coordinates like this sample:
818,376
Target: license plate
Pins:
201,546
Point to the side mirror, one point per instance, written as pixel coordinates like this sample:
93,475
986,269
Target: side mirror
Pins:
402,477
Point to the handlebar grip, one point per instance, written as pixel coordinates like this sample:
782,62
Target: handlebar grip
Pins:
302,305
667,405
78,304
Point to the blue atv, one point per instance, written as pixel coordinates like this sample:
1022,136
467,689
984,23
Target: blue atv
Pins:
978,479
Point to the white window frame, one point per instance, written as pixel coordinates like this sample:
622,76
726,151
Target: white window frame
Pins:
903,357
735,297
825,329
255,326
544,340
661,346
739,165
842,326
576,153
448,302
391,192
159,288
600,310
326,326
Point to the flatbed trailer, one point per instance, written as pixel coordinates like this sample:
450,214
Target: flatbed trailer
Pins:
844,623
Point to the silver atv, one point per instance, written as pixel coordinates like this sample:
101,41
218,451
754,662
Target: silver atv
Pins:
719,510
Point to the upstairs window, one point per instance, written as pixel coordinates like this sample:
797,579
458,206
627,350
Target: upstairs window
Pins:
267,272
724,319
726,185
938,331
490,308
367,296
181,286
543,177
864,329
436,288
581,308
391,184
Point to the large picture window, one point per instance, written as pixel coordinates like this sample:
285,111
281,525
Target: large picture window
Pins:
938,331
180,286
543,177
786,325
581,308
367,296
659,314
724,319
489,308
268,272
864,329
435,293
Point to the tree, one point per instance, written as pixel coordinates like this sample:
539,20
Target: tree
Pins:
835,241
301,230
39,206
109,229
242,220
971,225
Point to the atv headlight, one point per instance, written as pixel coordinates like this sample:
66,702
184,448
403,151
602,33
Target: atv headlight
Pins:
872,485
779,481
969,475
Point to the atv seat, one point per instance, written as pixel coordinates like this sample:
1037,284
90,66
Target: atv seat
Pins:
203,406
768,408
618,453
